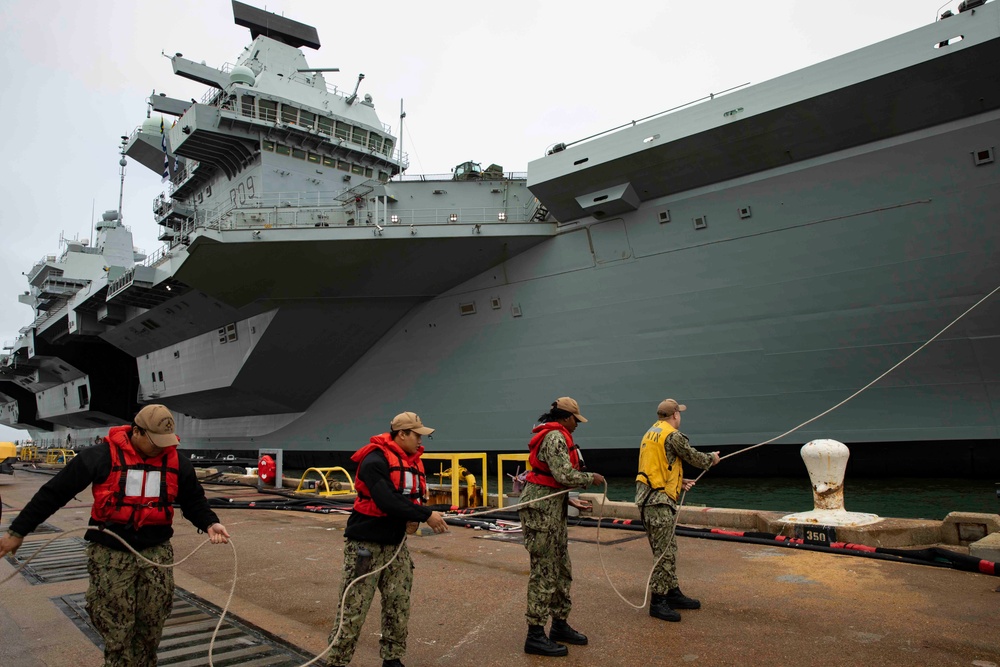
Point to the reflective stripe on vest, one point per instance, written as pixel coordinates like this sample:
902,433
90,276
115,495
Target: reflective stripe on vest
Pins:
139,491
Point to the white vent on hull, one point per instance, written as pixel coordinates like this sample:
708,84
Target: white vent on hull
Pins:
984,156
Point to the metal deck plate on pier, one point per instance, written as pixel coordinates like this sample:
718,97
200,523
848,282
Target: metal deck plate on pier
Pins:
42,529
188,632
62,560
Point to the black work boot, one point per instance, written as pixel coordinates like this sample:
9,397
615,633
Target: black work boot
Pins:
392,663
561,632
678,600
538,644
658,608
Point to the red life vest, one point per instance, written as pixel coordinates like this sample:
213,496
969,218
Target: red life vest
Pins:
540,473
406,473
139,491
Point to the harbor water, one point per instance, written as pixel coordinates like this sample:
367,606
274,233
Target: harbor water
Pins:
904,498
896,497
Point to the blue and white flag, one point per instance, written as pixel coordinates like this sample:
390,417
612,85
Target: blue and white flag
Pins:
166,158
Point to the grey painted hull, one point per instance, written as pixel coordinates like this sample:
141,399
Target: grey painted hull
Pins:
847,264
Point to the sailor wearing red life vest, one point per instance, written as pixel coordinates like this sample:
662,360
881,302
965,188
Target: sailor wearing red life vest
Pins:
392,490
137,475
556,463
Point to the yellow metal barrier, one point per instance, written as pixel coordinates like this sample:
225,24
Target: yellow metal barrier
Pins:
455,478
56,456
324,474
29,454
500,459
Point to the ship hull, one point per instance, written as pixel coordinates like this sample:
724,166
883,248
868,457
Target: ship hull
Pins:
846,265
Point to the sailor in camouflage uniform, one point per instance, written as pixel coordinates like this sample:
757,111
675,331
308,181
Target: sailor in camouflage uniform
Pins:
136,475
556,464
657,490
391,488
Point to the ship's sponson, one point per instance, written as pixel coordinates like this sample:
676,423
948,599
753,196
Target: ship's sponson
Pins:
877,92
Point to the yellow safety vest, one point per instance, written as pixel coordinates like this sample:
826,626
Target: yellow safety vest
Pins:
654,469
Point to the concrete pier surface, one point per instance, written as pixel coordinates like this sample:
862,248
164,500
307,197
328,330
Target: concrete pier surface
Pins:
761,604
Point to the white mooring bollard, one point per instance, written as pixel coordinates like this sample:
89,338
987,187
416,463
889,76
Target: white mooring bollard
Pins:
826,461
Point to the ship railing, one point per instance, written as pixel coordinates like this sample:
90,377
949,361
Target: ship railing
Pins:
39,266
300,199
138,128
161,255
508,175
274,116
221,99
304,78
329,216
61,286
120,284
164,206
179,178
214,97
633,123
49,314
332,199
301,210
161,205
305,210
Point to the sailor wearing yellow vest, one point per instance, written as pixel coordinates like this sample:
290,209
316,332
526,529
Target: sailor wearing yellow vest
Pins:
657,490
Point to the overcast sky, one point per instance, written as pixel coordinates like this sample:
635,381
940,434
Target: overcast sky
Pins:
489,82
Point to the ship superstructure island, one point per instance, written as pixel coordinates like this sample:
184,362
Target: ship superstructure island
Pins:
762,255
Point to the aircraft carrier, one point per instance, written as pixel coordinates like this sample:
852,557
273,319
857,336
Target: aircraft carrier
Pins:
760,255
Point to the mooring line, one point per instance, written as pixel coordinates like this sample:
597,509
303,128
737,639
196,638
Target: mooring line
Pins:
232,588
680,504
604,496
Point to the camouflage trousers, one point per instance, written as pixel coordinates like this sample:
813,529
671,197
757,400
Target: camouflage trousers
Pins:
550,576
128,601
394,583
659,521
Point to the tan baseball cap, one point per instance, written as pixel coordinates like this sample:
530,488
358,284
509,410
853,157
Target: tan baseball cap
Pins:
409,421
569,405
158,423
669,406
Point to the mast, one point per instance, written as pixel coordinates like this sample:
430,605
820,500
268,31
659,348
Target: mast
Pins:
402,115
121,188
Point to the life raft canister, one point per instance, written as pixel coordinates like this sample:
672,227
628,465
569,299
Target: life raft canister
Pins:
266,469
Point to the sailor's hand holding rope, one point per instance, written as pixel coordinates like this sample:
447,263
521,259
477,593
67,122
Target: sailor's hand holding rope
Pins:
9,544
218,534
437,523
583,504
